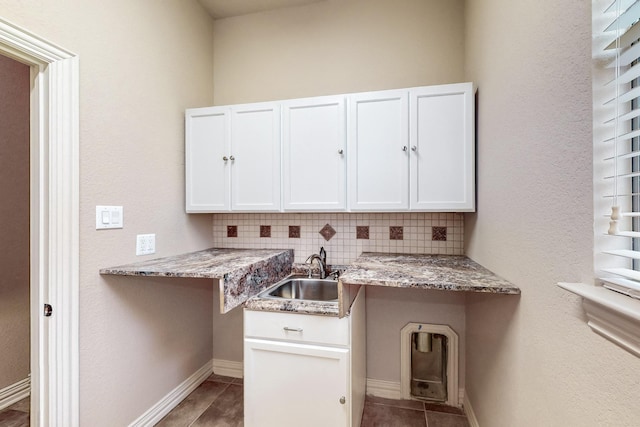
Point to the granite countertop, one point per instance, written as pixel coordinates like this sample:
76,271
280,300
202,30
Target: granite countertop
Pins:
244,273
241,273
441,272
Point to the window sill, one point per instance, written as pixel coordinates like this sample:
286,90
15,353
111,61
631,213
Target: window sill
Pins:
614,316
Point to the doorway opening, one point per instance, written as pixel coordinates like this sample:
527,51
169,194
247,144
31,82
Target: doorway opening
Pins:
15,339
54,224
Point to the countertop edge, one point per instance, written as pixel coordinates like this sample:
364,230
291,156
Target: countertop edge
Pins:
435,286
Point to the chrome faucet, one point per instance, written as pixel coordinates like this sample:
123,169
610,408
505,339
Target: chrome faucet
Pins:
321,263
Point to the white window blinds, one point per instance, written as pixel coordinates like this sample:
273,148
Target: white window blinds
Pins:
617,126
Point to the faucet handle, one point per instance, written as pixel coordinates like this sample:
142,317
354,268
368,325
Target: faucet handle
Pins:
323,255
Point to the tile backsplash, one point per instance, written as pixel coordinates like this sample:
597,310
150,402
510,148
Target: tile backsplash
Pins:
343,235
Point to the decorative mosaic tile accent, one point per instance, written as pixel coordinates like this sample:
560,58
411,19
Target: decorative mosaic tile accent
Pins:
362,232
294,231
232,231
396,233
439,234
327,232
345,246
265,231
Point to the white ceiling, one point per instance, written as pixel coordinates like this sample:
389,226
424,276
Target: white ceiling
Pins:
227,8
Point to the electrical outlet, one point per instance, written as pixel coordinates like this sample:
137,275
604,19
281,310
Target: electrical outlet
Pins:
145,244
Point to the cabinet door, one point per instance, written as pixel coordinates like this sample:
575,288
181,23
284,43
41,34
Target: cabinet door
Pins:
255,149
442,148
378,151
314,145
207,138
292,385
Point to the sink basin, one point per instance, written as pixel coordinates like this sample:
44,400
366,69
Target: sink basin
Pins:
302,288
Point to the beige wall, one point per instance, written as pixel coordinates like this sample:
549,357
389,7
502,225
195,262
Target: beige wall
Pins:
338,46
390,309
14,211
533,361
141,64
332,47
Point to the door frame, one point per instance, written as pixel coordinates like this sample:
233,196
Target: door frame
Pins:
54,229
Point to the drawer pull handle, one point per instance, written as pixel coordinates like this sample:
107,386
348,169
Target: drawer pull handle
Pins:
286,328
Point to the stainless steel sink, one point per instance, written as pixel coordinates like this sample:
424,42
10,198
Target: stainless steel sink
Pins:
303,288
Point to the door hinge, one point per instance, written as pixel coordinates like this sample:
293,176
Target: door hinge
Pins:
48,310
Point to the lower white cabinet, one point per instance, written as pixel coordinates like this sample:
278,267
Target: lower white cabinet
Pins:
304,370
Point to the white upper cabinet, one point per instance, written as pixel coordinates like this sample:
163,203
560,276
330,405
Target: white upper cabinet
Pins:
442,148
207,145
255,157
388,151
314,154
233,158
412,149
378,143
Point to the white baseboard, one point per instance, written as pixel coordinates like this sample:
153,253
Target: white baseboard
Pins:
228,368
171,400
461,394
471,416
386,389
15,392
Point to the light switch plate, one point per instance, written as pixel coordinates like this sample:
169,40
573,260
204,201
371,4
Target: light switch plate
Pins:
109,217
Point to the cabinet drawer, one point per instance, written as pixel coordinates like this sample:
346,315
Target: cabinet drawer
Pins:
296,327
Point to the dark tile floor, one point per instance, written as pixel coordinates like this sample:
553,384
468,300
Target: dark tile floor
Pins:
218,402
16,415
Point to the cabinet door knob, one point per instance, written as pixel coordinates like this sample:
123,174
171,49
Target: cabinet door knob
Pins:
225,158
404,148
340,151
343,400
414,148
231,158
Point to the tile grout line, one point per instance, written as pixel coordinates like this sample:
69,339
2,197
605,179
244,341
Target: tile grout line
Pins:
396,406
214,401
426,419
